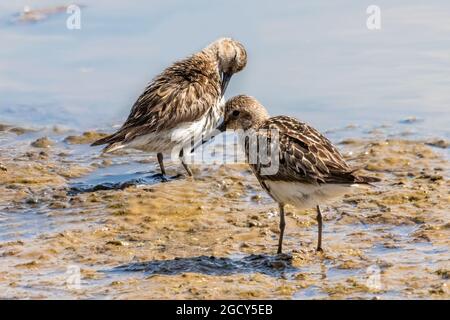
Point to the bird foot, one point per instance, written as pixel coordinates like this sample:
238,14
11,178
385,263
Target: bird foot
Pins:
185,175
284,256
161,177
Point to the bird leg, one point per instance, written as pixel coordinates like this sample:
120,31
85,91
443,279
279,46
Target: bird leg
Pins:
319,222
188,170
282,226
161,163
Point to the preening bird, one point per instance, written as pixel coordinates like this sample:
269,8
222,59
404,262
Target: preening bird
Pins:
182,104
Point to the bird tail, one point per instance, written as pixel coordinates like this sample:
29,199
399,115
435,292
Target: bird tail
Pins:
351,177
112,145
366,180
101,141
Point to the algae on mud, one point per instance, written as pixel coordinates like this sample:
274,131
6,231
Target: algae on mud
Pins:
215,236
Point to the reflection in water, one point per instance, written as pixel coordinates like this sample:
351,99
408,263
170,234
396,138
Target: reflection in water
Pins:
276,265
80,187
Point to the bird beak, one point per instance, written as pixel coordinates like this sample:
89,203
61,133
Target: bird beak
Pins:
225,80
221,128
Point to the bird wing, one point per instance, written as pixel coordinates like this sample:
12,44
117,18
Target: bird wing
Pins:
184,92
305,154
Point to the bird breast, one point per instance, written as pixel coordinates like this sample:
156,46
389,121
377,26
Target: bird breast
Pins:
304,195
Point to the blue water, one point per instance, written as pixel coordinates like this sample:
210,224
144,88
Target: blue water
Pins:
315,60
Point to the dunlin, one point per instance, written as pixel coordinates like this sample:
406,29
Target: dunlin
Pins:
182,104
310,170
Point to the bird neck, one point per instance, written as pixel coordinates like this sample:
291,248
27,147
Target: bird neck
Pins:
212,51
259,119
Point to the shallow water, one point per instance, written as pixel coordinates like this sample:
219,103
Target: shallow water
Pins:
215,236
316,61
382,95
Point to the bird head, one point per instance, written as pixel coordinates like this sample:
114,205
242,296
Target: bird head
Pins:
231,58
242,113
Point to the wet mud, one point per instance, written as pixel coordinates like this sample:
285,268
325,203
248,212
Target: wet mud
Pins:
128,232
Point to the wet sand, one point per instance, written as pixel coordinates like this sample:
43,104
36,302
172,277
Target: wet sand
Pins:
215,237
64,207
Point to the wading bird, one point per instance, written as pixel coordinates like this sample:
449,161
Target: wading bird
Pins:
182,104
310,169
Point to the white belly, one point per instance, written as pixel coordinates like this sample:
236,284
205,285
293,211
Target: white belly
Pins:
184,134
304,196
153,142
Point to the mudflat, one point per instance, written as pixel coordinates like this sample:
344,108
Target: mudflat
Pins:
66,210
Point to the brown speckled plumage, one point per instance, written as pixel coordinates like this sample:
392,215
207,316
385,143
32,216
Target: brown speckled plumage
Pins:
305,154
182,94
310,168
308,156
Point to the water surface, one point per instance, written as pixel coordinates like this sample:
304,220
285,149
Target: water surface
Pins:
314,60
133,236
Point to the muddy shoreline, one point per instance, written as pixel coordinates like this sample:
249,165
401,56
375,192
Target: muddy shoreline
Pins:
215,236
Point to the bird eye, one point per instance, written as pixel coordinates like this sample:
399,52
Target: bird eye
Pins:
235,113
